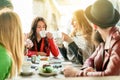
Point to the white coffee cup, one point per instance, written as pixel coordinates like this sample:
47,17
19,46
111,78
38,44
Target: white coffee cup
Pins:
58,40
43,33
26,67
58,37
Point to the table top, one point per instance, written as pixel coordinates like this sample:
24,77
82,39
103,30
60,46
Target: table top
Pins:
36,76
60,77
35,70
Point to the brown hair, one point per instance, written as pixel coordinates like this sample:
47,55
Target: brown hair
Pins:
96,37
32,34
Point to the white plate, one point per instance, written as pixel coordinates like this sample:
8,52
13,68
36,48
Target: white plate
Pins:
27,73
53,73
48,74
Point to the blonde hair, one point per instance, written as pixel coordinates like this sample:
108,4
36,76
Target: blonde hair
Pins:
11,37
83,26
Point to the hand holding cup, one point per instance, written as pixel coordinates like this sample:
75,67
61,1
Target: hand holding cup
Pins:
58,37
66,38
43,33
49,35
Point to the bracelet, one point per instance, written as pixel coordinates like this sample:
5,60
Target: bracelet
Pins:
78,74
83,68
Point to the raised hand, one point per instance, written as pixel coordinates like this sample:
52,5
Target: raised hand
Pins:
28,43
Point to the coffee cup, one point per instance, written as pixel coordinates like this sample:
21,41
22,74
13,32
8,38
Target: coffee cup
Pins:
33,58
26,67
58,37
58,40
43,33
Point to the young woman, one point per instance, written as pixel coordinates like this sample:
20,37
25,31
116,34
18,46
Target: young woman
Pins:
41,45
80,45
11,44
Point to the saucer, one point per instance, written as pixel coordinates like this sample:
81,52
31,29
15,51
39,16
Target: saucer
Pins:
47,74
28,73
53,73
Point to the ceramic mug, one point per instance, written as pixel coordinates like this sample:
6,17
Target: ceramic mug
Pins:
26,67
58,37
43,33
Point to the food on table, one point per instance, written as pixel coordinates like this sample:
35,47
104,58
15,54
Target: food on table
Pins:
47,68
44,58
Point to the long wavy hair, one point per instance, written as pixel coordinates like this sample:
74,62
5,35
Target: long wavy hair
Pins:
11,37
83,26
33,34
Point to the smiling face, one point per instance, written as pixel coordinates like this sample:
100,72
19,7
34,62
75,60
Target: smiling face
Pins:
74,23
40,26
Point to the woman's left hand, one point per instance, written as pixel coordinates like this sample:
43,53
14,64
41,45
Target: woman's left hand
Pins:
70,71
88,69
66,38
49,35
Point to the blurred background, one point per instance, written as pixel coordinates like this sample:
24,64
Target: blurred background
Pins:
57,13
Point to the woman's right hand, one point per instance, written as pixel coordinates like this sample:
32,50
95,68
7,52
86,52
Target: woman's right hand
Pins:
70,71
66,38
42,53
28,44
